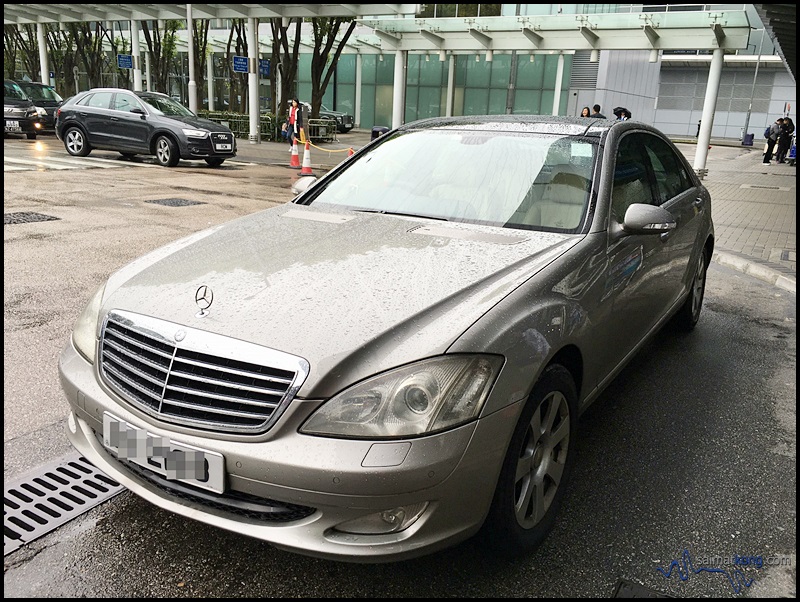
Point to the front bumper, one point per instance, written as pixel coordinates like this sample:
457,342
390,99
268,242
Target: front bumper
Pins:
331,480
209,147
20,124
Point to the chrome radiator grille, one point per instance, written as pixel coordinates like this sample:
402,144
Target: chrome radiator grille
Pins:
205,380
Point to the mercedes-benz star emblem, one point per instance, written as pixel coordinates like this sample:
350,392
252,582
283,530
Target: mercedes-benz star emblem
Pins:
204,297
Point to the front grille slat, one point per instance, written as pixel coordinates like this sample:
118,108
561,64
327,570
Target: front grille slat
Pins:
222,383
232,371
242,388
223,398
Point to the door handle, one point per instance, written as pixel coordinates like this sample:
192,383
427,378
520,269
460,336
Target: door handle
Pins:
698,202
115,119
665,235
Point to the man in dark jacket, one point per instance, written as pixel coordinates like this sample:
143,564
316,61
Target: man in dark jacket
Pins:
774,132
596,112
784,140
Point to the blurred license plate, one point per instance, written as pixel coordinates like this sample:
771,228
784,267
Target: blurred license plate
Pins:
13,126
222,146
175,461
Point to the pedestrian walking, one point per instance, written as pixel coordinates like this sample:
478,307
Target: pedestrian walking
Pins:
784,140
597,114
294,121
771,134
622,114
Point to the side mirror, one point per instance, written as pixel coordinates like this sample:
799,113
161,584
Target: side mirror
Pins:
138,111
647,219
303,184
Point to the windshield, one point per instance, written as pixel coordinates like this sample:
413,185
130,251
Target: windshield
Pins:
514,180
12,90
164,105
41,92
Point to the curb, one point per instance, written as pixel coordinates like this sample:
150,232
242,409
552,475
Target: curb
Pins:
756,270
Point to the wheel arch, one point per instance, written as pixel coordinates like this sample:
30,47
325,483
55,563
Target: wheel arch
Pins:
166,134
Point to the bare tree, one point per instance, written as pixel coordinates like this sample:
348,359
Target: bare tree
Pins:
237,92
323,65
62,57
10,50
285,61
21,40
89,47
161,46
200,44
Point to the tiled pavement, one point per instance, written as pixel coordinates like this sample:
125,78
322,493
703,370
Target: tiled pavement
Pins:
754,205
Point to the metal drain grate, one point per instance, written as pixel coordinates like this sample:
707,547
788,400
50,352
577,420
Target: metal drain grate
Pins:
175,202
26,217
51,496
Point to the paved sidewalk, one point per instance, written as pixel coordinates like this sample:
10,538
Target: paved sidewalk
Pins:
754,205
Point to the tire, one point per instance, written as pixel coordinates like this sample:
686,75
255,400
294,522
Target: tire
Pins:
536,467
76,143
689,313
167,152
215,161
31,136
128,155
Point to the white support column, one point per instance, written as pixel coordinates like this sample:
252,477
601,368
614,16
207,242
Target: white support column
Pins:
190,42
559,79
451,85
252,78
148,78
357,109
40,39
137,56
399,88
210,79
709,106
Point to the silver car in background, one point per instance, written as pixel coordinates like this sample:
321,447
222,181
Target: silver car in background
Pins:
397,360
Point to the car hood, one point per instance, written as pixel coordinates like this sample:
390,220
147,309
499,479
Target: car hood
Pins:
352,293
198,122
16,102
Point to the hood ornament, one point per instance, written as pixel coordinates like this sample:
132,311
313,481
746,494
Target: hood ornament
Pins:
204,297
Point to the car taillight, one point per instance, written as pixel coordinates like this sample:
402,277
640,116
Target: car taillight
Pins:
58,113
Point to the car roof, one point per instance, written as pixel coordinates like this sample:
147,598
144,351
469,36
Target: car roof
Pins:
542,124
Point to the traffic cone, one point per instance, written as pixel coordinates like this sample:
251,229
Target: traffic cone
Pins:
306,171
350,152
295,154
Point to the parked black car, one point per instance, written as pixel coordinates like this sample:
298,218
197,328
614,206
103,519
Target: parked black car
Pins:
344,121
21,115
46,97
140,123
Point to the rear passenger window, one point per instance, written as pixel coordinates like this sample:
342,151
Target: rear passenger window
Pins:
99,100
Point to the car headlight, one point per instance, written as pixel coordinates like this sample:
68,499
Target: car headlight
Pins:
84,334
195,133
33,111
423,397
41,111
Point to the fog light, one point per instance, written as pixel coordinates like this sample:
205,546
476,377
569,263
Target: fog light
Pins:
38,126
73,426
386,521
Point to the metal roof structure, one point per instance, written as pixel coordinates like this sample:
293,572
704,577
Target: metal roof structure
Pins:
781,21
65,13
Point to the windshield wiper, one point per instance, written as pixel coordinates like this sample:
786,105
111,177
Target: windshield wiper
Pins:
441,219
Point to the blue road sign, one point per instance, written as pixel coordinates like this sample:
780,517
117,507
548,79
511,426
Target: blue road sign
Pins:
125,61
240,64
263,67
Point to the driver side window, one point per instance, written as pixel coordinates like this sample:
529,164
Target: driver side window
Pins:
631,184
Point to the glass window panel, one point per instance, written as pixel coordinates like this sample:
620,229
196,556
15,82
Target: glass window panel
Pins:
527,102
432,72
497,101
385,70
346,69
530,75
368,68
478,73
476,101
501,69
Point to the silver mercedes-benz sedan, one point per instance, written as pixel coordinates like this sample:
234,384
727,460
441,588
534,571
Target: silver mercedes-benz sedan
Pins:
396,360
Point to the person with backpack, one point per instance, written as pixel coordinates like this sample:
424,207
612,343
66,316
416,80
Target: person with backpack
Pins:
771,134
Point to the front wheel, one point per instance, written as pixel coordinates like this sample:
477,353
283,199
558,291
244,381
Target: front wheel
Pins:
689,313
536,467
75,142
215,161
167,152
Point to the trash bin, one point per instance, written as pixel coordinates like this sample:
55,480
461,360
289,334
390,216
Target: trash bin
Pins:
378,130
748,140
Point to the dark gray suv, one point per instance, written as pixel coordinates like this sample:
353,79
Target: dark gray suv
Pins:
141,123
